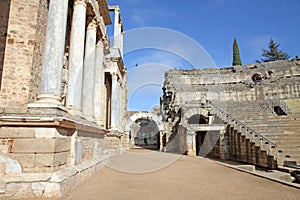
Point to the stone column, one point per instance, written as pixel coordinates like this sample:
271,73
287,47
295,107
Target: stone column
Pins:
191,143
99,84
89,72
114,101
76,56
53,58
119,107
118,34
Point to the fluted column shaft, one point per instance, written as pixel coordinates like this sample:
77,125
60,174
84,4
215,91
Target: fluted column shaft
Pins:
118,34
53,58
114,102
99,84
76,56
89,71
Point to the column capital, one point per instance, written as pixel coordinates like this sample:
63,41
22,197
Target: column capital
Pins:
100,43
92,25
114,75
80,2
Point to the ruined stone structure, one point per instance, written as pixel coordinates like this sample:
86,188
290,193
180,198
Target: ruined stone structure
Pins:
247,114
145,129
63,94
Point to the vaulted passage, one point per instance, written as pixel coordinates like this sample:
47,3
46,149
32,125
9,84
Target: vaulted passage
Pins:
145,134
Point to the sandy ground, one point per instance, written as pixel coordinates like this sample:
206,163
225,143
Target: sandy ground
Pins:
183,178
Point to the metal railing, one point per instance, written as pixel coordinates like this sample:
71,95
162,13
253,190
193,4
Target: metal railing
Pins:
284,107
249,132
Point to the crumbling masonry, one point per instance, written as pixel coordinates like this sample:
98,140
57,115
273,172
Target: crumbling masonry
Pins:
248,114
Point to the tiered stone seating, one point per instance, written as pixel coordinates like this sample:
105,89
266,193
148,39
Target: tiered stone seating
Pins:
293,105
282,130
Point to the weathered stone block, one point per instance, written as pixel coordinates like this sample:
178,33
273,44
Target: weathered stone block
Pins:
51,160
53,190
20,190
15,132
38,189
9,166
47,133
41,145
26,160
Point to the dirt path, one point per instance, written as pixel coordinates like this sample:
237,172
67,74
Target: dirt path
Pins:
184,178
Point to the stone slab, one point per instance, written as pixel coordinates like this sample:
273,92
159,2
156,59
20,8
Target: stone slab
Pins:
15,132
41,145
50,160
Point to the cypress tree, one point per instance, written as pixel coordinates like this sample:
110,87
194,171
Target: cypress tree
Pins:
236,54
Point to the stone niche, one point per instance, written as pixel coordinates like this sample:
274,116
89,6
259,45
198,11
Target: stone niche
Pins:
37,149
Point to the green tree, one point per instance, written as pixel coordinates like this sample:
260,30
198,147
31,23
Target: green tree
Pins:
273,53
236,54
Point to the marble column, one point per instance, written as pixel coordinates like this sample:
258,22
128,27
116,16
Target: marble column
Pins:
99,84
118,34
89,72
76,56
53,57
191,143
114,101
120,105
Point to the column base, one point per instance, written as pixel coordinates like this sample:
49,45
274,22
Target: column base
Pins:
89,118
49,99
47,103
190,152
100,122
74,111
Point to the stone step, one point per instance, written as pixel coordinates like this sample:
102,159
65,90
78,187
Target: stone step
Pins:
293,105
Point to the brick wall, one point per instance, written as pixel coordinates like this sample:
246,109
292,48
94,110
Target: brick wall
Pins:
21,45
4,14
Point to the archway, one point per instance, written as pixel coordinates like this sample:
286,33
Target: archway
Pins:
256,78
198,119
144,129
145,133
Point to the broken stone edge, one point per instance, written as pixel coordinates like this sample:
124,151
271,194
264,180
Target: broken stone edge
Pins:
49,185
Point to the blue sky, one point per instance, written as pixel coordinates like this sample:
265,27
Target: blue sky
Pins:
212,24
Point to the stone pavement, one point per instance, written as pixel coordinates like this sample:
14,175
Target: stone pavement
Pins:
175,177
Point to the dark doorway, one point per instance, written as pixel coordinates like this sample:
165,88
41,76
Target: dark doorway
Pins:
146,134
108,92
200,135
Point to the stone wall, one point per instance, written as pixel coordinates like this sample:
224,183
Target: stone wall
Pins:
27,146
231,90
4,15
21,41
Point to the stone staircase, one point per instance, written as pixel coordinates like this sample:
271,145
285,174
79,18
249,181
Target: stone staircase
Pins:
277,136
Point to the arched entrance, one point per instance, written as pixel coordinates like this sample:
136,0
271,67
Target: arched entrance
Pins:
195,120
144,130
